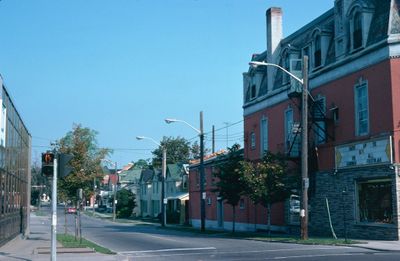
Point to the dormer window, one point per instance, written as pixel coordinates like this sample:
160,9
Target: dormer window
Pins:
359,22
357,31
253,92
317,51
285,64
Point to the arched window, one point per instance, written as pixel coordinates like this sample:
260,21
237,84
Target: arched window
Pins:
317,51
357,31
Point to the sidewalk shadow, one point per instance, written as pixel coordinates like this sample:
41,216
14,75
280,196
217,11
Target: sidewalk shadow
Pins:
3,254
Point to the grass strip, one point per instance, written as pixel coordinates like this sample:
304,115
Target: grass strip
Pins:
69,241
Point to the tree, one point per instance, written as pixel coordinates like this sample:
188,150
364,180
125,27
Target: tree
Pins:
125,203
195,150
82,144
178,151
230,183
141,163
267,182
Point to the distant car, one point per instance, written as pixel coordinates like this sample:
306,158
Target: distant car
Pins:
71,210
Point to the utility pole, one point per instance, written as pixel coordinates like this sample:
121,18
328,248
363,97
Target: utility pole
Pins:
213,139
164,201
54,212
202,193
94,193
304,152
115,191
227,134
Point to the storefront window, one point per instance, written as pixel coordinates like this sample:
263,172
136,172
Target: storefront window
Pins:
375,201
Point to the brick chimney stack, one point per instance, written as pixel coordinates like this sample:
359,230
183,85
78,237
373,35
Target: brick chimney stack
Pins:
274,29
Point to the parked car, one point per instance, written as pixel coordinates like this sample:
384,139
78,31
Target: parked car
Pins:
71,210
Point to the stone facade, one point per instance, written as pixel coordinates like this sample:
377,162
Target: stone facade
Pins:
340,188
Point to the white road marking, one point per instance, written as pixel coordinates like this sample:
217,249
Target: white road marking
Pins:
320,255
167,250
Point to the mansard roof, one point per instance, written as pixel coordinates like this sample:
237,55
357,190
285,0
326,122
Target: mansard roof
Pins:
381,22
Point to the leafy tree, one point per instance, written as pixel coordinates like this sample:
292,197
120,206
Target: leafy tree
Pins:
82,144
141,163
178,151
230,183
195,150
267,181
125,203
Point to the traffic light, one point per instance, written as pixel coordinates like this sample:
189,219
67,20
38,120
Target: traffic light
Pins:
64,167
48,164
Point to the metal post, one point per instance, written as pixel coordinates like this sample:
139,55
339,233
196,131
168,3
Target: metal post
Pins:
202,193
213,139
54,213
163,198
115,191
304,152
94,193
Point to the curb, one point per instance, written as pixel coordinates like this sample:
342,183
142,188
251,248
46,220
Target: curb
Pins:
64,250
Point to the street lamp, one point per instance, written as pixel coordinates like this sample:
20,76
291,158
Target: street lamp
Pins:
304,137
114,185
164,174
202,193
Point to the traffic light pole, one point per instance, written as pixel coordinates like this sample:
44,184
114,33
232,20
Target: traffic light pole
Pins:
54,213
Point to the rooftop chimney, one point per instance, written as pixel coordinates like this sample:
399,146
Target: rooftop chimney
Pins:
274,29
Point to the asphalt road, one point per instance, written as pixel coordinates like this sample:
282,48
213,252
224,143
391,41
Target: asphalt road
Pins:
148,242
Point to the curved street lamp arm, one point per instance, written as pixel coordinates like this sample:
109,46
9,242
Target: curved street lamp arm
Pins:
175,120
255,64
148,138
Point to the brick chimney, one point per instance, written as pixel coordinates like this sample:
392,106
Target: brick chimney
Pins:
274,37
274,29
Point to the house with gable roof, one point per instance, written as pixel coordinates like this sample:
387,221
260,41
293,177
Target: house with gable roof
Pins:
146,183
177,193
130,179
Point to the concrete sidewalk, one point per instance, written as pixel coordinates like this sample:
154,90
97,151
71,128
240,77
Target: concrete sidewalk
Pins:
37,246
379,245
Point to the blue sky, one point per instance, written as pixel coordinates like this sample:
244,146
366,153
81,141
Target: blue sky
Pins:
121,67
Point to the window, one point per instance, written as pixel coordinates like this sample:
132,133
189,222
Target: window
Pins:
319,109
317,51
357,31
264,135
361,108
285,64
288,128
156,207
209,201
253,92
241,203
375,201
253,140
144,206
294,209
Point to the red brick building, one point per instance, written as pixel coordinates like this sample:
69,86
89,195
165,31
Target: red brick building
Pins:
354,119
